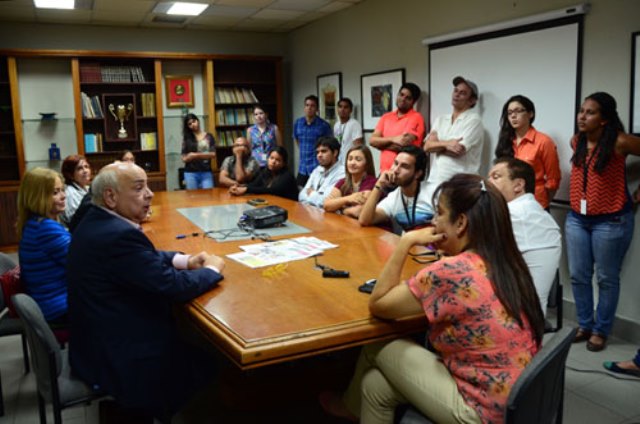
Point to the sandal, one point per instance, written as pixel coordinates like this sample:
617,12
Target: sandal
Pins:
596,342
613,367
581,335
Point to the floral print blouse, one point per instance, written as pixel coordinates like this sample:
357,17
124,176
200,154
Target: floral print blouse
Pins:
482,346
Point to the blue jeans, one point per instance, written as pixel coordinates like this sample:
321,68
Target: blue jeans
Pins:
603,242
196,180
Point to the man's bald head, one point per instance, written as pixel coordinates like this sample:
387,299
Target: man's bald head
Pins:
122,188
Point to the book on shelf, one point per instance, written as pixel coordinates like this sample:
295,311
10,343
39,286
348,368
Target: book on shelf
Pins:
91,106
238,116
148,101
93,143
234,95
148,141
90,72
94,72
227,137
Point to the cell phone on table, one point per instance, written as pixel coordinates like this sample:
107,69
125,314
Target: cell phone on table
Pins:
368,286
257,202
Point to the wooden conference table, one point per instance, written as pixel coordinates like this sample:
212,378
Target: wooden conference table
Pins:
264,316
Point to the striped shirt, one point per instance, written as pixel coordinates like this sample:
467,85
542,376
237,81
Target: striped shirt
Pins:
43,260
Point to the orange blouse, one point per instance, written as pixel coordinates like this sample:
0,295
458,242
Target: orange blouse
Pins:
539,151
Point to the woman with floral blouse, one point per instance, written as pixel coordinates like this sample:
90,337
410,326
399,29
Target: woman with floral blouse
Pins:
485,322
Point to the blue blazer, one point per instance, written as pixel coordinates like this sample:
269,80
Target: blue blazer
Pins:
124,338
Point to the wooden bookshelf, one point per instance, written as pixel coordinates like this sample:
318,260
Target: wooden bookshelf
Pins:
11,152
11,149
237,85
102,85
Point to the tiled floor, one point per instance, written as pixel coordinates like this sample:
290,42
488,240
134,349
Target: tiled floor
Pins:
592,396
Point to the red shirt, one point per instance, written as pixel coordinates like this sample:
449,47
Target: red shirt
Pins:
605,192
390,124
539,151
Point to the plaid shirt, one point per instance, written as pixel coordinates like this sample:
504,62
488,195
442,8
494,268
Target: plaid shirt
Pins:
307,134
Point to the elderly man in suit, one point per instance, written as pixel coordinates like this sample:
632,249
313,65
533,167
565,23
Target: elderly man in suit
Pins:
124,339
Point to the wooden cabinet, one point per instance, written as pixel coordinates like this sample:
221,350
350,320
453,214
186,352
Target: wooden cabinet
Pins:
118,107
238,84
11,152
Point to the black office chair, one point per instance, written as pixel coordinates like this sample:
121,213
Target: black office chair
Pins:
538,394
555,301
10,326
54,382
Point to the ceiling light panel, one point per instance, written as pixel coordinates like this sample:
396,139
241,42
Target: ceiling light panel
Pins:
187,9
54,4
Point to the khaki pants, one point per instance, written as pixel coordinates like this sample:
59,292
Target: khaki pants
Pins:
402,372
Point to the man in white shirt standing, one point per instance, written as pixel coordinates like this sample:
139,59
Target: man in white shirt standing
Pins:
536,233
347,130
456,139
325,176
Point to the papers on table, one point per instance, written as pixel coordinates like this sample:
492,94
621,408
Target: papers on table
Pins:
280,251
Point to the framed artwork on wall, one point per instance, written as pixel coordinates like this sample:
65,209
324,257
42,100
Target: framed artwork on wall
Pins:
378,91
179,90
329,92
634,120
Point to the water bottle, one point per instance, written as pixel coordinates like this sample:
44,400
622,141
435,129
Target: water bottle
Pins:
54,152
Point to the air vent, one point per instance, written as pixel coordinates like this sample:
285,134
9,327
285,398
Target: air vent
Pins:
161,19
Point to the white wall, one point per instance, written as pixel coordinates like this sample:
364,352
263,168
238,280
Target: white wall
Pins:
45,86
377,35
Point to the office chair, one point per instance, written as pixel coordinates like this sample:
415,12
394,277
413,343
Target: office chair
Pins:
10,326
555,301
538,394
54,381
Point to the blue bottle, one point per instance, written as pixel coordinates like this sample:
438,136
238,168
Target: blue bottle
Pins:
54,152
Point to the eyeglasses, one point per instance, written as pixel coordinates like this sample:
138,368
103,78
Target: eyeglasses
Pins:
516,111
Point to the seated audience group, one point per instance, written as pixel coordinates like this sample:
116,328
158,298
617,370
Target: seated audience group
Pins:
485,301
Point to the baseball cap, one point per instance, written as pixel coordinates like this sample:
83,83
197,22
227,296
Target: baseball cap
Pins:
457,80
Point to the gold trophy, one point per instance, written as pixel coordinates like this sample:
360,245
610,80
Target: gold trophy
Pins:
121,114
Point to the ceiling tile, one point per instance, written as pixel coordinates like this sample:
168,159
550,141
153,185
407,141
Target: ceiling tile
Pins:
124,7
312,16
258,24
334,6
282,15
20,14
298,4
240,12
105,17
245,3
237,15
18,3
63,16
215,21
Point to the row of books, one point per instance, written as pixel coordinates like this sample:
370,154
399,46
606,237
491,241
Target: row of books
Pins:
91,106
226,138
94,72
234,95
148,141
234,116
148,101
93,143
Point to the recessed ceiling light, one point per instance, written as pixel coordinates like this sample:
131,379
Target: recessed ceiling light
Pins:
54,4
189,9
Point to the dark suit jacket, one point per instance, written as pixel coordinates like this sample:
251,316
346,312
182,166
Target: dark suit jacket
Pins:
123,334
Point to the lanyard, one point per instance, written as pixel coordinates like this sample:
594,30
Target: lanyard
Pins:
585,170
410,219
